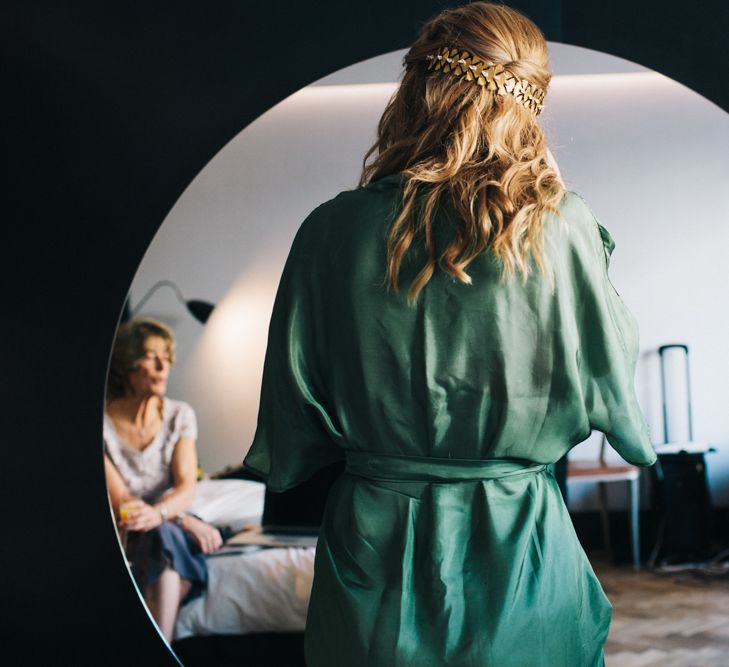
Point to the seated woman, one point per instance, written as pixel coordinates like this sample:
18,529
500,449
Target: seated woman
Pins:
151,470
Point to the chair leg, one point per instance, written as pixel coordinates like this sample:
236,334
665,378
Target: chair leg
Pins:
602,504
634,519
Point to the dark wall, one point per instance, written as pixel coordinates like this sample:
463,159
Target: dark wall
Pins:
110,110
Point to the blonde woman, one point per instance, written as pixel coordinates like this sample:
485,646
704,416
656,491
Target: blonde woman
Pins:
449,329
151,470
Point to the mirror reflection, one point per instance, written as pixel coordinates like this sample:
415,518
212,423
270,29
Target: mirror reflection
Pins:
648,154
151,468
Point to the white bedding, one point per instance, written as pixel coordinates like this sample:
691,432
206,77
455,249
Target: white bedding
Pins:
229,502
261,590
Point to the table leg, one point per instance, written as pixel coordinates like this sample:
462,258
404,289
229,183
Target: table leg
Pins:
634,519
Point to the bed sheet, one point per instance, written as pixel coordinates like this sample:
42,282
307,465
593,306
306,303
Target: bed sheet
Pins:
262,590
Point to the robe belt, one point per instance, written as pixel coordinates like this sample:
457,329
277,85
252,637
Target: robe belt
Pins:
389,467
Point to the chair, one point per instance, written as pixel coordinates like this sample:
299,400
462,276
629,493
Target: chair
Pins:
604,473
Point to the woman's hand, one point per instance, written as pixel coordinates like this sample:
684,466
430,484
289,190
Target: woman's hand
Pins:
141,517
207,537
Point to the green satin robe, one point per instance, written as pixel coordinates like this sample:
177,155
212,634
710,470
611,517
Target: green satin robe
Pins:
447,541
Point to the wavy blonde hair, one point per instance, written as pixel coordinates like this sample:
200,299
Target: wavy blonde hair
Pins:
485,151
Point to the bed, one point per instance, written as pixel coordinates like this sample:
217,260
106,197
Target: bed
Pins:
254,608
250,589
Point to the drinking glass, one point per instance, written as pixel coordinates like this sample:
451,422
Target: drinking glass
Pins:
125,506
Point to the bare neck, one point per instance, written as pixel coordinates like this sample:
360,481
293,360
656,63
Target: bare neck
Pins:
139,410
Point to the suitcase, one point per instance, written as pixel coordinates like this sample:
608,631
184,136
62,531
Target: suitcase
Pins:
680,491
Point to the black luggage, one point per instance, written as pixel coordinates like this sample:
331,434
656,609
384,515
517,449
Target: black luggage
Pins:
680,491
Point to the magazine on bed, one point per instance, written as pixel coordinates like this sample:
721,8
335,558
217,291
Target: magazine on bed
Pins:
278,536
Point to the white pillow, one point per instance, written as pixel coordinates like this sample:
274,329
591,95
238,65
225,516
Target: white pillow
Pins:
229,502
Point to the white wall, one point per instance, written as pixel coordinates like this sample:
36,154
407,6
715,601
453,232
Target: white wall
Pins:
650,156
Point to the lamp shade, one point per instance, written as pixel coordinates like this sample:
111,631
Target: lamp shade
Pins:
200,310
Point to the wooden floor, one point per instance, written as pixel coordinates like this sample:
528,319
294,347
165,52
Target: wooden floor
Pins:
678,619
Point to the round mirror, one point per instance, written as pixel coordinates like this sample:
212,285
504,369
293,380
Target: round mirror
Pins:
647,153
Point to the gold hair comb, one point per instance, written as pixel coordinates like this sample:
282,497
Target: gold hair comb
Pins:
464,65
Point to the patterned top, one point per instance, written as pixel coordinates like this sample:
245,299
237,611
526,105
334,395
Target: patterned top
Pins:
148,473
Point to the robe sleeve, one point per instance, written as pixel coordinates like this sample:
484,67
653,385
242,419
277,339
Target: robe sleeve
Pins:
608,352
295,434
